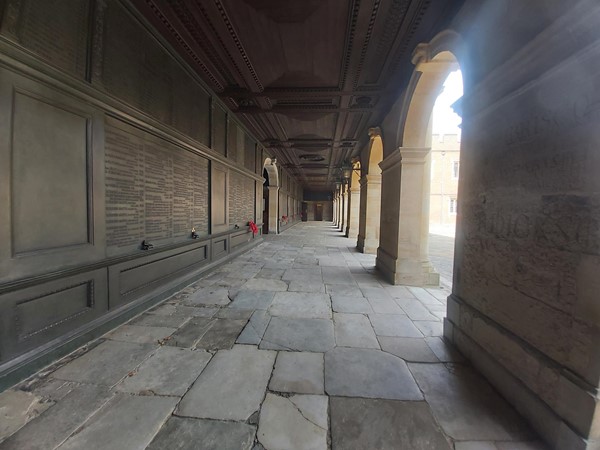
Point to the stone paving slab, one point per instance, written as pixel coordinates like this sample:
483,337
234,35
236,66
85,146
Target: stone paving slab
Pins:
209,296
196,311
416,311
423,296
466,406
57,423
350,290
140,334
375,293
265,284
430,328
368,373
399,291
255,328
354,330
190,333
409,349
337,275
298,372
361,424
300,286
301,305
169,371
17,408
295,423
305,275
352,305
48,388
231,387
329,261
234,313
105,364
126,422
157,320
475,445
443,351
273,274
221,335
192,434
251,299
385,306
311,335
394,325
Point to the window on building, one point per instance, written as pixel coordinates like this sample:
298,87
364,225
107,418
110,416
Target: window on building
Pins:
453,206
455,167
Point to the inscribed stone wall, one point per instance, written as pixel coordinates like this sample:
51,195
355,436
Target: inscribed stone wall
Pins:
154,191
55,30
241,199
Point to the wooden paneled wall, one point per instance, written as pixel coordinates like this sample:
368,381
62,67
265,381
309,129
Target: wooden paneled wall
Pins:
107,140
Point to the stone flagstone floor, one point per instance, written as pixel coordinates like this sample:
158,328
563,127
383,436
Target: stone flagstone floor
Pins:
296,344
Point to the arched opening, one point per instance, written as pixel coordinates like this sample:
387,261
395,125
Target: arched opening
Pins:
370,195
445,165
433,67
403,253
270,196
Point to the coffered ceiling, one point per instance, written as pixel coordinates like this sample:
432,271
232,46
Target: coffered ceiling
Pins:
307,77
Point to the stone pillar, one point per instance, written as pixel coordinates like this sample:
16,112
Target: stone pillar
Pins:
344,206
273,209
370,199
353,211
338,205
402,256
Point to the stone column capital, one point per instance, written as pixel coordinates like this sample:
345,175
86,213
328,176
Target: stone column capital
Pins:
273,188
414,155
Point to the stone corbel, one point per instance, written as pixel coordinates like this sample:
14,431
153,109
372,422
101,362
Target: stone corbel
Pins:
374,132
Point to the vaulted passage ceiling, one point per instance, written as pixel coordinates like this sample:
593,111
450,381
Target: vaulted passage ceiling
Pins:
307,77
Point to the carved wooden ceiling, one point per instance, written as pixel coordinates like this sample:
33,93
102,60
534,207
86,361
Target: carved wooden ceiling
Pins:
307,77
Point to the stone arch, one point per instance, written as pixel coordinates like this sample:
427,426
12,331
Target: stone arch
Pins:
433,63
375,154
406,170
370,195
270,167
270,197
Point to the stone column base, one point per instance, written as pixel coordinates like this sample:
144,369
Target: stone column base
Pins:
407,271
367,245
573,405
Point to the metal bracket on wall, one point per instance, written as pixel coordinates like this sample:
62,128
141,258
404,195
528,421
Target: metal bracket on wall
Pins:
147,245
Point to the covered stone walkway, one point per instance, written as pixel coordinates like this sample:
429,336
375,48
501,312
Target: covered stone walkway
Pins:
295,344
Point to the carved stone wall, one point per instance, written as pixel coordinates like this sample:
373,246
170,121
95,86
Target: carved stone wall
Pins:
524,306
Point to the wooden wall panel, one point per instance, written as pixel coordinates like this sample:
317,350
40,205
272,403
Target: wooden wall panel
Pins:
33,316
50,151
89,171
219,121
55,30
219,198
136,279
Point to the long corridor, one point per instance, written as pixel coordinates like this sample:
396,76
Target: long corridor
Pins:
297,344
